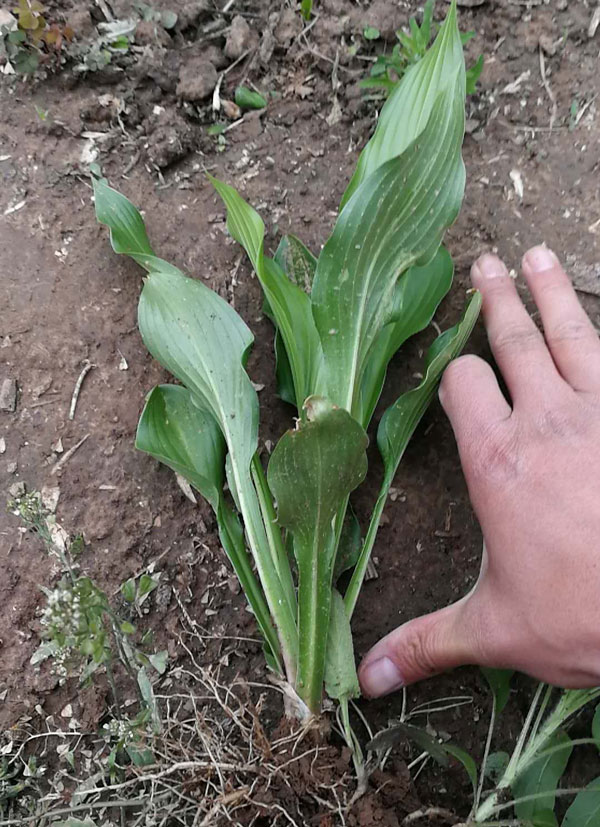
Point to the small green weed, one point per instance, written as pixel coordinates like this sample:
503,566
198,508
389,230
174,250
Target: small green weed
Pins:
29,40
525,782
82,632
306,9
411,47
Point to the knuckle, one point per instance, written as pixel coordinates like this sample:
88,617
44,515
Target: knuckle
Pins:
518,337
495,454
458,371
569,330
418,653
559,421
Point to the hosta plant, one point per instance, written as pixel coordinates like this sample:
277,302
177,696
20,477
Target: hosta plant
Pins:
339,318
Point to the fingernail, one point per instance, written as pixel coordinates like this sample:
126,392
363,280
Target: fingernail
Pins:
539,259
488,266
380,677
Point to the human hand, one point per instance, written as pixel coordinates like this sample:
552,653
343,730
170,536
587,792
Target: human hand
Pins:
533,473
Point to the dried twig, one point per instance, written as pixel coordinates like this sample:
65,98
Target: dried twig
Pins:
87,366
67,455
548,88
585,107
103,6
594,22
429,813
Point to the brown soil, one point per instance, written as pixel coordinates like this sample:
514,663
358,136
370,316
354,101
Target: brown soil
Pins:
65,298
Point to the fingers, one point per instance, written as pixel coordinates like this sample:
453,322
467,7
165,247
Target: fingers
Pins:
517,344
472,400
419,649
570,335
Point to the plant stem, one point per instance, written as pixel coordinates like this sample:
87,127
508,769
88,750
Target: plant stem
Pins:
354,745
488,744
570,702
511,771
113,687
315,569
358,575
235,547
540,715
275,593
278,550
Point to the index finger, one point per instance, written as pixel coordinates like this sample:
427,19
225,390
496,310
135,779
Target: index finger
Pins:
518,346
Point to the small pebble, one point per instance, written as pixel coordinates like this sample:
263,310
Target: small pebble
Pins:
8,395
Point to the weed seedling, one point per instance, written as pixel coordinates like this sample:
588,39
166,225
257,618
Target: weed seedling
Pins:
83,633
30,40
339,319
411,47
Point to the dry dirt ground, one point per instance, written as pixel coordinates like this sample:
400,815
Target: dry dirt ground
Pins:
533,163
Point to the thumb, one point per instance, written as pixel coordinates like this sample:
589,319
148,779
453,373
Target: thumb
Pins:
419,649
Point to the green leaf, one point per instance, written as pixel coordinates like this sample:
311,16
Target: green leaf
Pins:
585,809
288,304
45,650
377,83
175,431
16,36
296,261
127,628
311,472
400,420
371,33
306,9
499,682
398,424
545,818
473,75
596,725
202,341
467,762
127,230
341,680
149,699
409,107
140,756
146,585
542,776
26,61
168,19
417,296
159,661
299,264
495,766
395,219
349,545
216,129
426,25
128,590
196,335
438,751
247,99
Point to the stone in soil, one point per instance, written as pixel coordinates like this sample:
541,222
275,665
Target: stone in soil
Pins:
80,20
8,395
197,79
288,26
147,32
383,16
239,39
170,138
